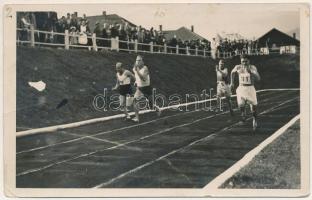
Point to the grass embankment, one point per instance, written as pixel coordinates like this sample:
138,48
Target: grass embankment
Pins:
277,166
75,77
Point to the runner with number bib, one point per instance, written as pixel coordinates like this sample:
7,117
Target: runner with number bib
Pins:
246,92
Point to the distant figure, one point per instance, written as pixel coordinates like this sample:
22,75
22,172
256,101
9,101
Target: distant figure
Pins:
173,43
246,92
24,22
223,89
214,48
99,34
84,32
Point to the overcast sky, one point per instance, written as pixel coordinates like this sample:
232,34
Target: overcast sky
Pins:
250,20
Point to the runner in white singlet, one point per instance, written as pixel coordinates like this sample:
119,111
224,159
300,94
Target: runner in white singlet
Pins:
143,87
246,92
223,89
123,83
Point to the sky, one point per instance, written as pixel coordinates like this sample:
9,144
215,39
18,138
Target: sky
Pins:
249,20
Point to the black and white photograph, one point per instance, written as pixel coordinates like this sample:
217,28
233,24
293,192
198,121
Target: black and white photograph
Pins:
186,99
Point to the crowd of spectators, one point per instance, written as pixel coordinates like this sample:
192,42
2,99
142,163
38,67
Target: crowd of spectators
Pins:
78,27
225,47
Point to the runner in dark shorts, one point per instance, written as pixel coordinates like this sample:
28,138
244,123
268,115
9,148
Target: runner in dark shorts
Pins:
144,89
123,84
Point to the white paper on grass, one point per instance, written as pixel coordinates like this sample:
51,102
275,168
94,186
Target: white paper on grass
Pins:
40,85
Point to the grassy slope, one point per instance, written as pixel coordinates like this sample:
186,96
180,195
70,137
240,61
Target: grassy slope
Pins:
76,76
277,166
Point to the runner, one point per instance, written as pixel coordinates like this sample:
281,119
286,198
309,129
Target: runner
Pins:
246,93
123,83
143,87
223,89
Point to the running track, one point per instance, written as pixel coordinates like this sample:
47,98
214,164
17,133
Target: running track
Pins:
177,150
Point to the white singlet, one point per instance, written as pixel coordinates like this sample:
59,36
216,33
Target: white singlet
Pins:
139,81
123,78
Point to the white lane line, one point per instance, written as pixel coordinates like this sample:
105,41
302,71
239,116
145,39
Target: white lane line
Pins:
94,138
115,130
222,178
25,128
180,149
114,147
105,132
106,141
176,169
118,116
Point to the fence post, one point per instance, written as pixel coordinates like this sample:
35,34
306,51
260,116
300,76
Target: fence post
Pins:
94,46
117,44
66,39
177,49
196,51
187,50
204,52
32,36
151,47
136,45
165,48
112,43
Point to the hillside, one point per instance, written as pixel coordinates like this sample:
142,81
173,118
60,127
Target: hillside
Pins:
74,77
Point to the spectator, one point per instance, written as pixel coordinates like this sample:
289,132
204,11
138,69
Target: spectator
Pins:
140,35
122,37
99,33
173,43
73,36
84,32
68,22
214,48
106,43
113,31
84,17
60,28
25,25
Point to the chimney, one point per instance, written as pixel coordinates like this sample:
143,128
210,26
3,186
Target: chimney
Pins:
160,28
192,28
294,35
104,13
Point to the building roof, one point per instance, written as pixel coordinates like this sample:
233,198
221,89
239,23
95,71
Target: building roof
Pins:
183,34
278,38
108,19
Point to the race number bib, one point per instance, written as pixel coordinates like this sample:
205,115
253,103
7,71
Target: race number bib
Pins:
244,78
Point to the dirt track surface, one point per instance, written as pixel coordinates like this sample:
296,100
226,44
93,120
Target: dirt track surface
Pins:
177,150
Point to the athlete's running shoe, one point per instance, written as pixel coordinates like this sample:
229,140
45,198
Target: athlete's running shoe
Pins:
127,118
135,119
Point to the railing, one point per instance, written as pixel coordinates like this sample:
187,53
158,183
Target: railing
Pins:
69,40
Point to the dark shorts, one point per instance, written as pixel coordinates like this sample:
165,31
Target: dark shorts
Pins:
125,89
147,91
143,92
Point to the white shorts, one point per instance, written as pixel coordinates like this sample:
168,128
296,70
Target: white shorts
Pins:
223,89
246,94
